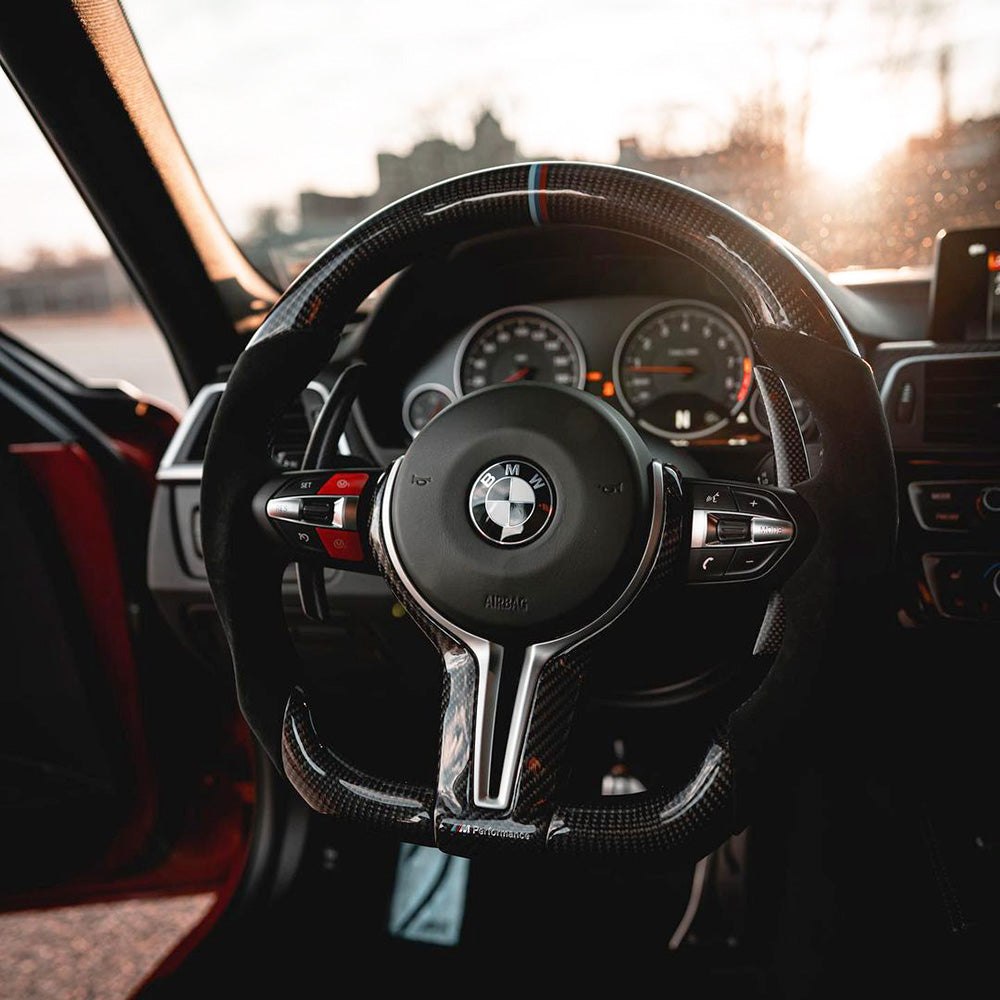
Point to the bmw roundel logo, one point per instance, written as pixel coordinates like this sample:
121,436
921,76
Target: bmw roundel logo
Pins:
511,501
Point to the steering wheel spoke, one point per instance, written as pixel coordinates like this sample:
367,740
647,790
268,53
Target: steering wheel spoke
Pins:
321,517
506,721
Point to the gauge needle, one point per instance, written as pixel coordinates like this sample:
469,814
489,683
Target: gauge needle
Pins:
663,369
519,374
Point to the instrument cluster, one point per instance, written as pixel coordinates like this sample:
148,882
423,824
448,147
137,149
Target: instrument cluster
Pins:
681,369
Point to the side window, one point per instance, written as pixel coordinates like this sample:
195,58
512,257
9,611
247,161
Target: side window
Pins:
62,292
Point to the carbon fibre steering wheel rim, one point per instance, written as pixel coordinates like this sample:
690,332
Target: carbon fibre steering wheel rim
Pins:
795,329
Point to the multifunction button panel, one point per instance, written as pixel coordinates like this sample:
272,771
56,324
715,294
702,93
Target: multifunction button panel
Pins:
737,533
317,514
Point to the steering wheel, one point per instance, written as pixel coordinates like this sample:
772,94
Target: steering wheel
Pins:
524,520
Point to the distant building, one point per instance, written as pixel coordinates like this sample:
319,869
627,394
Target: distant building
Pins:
436,159
323,214
88,285
887,219
430,161
973,145
948,180
738,175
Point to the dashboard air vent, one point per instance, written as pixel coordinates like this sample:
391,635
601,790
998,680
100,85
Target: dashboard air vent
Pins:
291,435
962,401
184,456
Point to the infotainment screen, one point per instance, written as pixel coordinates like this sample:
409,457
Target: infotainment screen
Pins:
965,294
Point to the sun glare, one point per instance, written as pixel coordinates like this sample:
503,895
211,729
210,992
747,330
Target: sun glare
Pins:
846,140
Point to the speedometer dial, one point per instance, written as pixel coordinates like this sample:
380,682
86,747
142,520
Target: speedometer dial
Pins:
519,345
683,369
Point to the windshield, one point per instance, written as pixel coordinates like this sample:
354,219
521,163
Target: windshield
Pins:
855,128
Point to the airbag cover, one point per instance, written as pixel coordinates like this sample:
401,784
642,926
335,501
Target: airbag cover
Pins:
582,555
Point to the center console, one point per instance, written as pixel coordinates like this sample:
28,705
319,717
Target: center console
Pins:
942,404
943,410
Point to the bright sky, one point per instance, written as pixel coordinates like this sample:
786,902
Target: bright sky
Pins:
273,96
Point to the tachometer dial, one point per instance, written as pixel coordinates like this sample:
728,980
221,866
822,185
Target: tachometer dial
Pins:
683,369
519,345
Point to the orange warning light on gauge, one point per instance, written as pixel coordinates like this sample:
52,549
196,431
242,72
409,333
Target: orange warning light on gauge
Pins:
746,380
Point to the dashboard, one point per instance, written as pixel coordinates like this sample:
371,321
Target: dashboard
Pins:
666,344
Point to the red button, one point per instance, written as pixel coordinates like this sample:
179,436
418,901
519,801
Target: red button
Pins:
341,544
348,484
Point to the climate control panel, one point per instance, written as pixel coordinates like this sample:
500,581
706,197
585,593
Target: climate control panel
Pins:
956,505
964,585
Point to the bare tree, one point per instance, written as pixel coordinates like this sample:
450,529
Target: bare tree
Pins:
818,42
761,120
